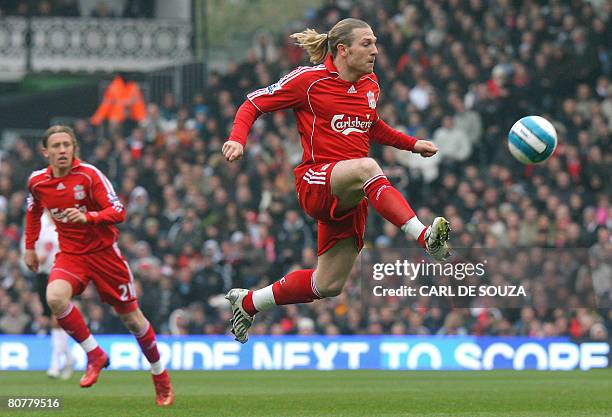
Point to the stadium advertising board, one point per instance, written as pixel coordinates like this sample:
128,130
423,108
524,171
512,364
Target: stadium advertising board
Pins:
326,353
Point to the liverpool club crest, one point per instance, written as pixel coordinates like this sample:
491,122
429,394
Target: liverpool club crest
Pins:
371,100
79,192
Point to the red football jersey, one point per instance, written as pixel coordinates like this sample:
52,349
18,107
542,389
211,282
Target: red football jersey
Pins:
334,116
85,188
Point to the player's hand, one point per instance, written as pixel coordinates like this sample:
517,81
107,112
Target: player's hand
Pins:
75,216
425,148
232,150
31,260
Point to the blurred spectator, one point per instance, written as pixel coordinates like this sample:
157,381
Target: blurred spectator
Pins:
14,320
453,142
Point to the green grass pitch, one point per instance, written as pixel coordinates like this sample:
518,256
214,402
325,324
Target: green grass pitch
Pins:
328,393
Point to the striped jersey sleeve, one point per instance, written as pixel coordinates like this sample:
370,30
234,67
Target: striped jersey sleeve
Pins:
288,92
111,209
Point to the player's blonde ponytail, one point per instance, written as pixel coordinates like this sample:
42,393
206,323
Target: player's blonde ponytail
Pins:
319,45
315,44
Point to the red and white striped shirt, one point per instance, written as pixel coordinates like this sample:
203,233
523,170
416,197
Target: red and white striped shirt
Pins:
86,188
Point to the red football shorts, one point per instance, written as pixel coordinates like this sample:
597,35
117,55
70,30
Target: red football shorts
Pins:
109,272
316,199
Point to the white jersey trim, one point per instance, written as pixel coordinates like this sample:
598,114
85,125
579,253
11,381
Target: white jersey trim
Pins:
293,74
110,192
309,181
36,173
284,80
373,80
315,177
371,180
69,273
105,181
314,118
253,103
377,85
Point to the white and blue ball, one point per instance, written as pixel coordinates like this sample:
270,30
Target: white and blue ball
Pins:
532,140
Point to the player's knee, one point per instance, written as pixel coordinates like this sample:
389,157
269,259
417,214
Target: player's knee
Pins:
368,167
329,290
57,302
132,324
133,321
59,293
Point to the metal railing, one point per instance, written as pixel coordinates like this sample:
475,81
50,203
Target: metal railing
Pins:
182,80
77,44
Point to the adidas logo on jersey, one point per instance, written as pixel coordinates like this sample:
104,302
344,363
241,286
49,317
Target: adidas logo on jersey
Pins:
352,90
60,186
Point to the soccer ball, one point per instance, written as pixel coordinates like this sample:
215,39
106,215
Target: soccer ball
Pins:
532,140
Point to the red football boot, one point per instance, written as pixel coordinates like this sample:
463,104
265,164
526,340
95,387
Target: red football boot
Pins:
163,389
94,366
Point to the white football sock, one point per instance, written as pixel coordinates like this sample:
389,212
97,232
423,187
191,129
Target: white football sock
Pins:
157,367
313,283
64,347
56,348
263,299
413,227
89,344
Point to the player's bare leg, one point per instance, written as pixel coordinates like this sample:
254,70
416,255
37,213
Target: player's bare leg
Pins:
348,178
140,327
59,293
354,179
334,267
303,286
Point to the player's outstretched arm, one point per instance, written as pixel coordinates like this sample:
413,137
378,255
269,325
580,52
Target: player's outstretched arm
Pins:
382,133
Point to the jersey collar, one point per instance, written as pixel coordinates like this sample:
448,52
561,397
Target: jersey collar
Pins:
75,163
329,64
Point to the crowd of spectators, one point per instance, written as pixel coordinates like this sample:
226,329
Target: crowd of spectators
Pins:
458,72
